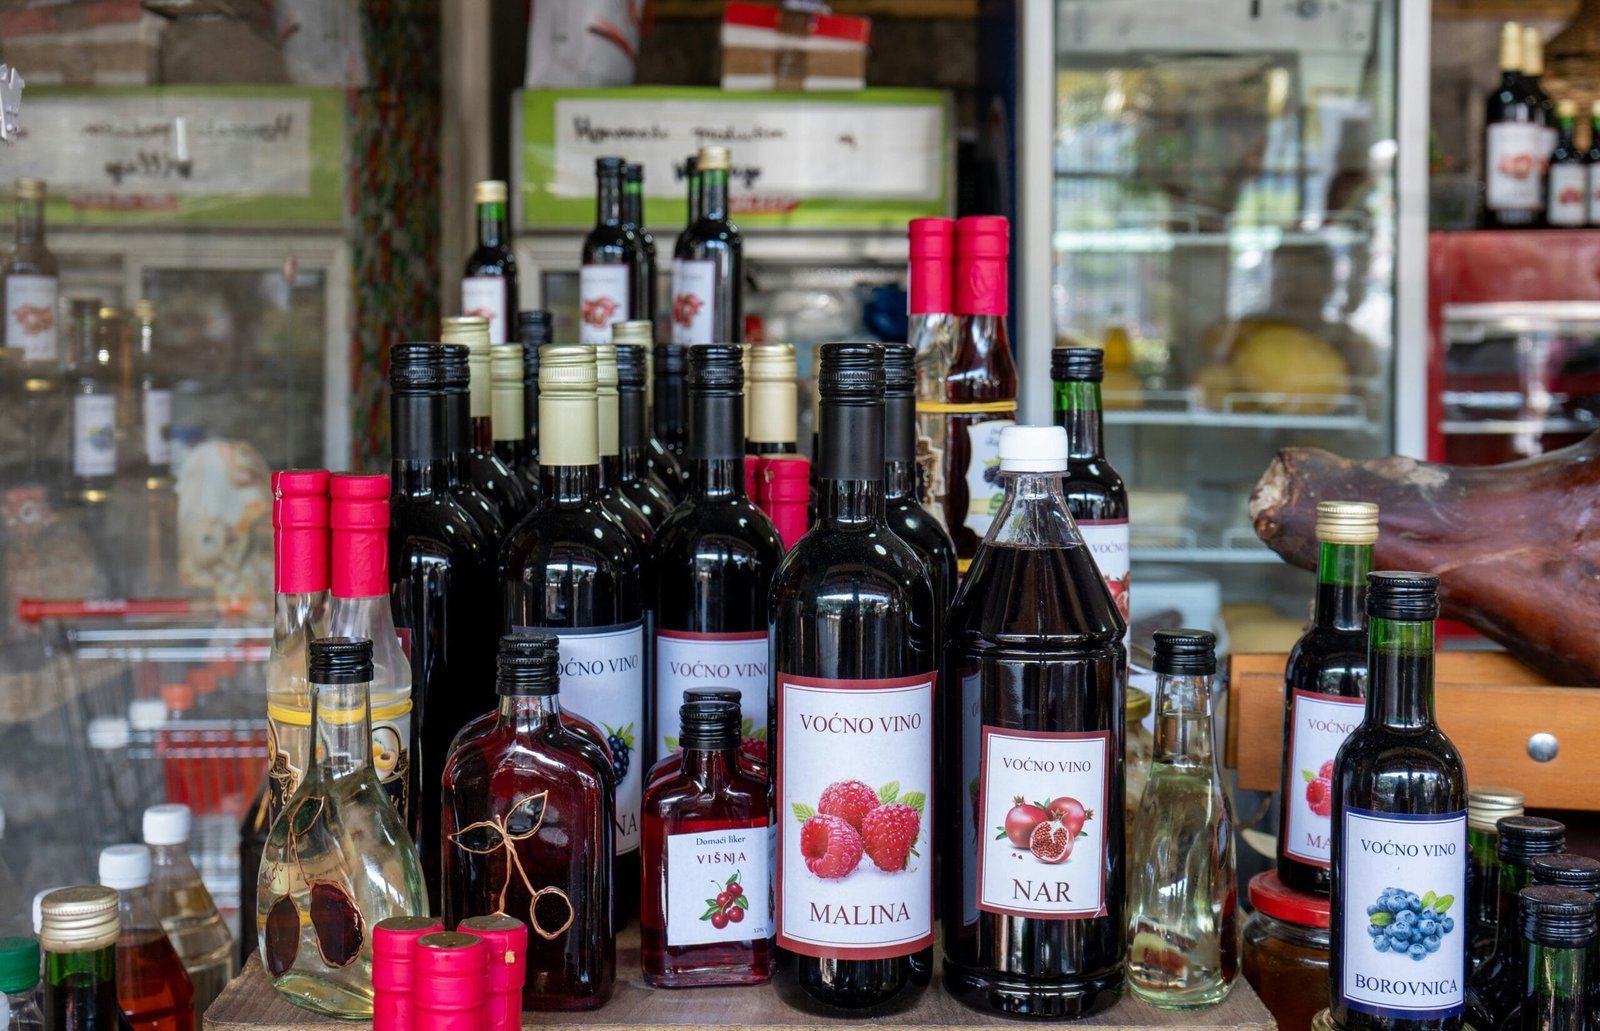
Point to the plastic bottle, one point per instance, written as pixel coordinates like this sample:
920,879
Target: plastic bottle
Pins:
19,979
152,989
181,901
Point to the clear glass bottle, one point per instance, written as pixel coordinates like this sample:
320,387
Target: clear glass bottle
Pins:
1486,807
184,906
78,935
19,981
1558,935
153,989
1184,905
906,516
338,859
1494,991
933,332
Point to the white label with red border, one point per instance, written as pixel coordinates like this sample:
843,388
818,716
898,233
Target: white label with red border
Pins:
1594,194
94,435
485,296
603,300
1515,158
694,300
711,875
685,659
855,815
1318,725
1044,856
1569,195
31,315
1108,543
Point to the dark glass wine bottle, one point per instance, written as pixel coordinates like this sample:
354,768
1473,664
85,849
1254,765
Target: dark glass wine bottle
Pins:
635,479
612,497
714,561
441,574
708,264
1583,873
484,469
905,515
508,424
644,249
691,185
1034,882
605,283
772,424
32,285
1397,959
854,673
668,416
1515,147
1486,807
489,284
1567,191
1095,492
1495,989
534,330
1558,939
1325,686
458,429
570,568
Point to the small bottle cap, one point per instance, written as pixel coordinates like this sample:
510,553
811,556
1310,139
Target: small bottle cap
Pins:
632,365
506,938
535,328
108,732
717,369
983,236
80,919
709,724
1033,449
29,188
1185,652
608,167
567,367
1523,837
712,694
340,660
1138,705
395,937
19,964
1567,109
1567,871
451,969
605,366
147,714
899,370
1347,522
125,867
1403,596
287,482
417,368
1488,806
634,331
470,331
1077,364
167,824
772,362
489,191
1557,917
528,664
713,159
672,359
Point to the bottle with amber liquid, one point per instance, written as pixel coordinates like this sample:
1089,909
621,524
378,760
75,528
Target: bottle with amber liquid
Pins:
1034,886
852,627
489,283
635,479
528,828
906,517
569,568
706,902
1096,495
78,930
1325,687
153,989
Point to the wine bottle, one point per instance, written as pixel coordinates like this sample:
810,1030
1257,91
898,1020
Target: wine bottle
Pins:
904,513
482,468
1034,878
854,670
358,513
1514,144
643,254
980,389
32,292
1325,686
1558,940
534,330
302,575
1397,955
605,287
78,930
457,385
570,568
772,401
93,459
1095,493
155,401
609,433
668,416
1494,990
489,285
691,183
933,332
507,369
1486,807
708,264
153,989
441,581
1567,189
528,787
635,479
714,562
1532,76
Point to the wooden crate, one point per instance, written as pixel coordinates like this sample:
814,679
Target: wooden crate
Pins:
1487,702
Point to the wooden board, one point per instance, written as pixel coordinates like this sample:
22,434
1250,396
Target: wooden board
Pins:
251,1004
1489,705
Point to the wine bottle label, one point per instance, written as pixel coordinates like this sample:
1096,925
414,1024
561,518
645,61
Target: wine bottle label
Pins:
1569,189
289,741
94,435
855,776
972,785
1108,543
158,427
1318,725
737,660
694,299
1593,179
603,299
984,491
1041,817
485,296
1515,157
31,316
719,885
1404,934
602,680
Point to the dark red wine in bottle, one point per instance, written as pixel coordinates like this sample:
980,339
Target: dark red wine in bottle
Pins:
605,283
1033,882
855,674
643,254
708,264
714,563
534,329
691,184
1096,496
1515,144
484,469
635,479
612,498
489,284
906,517
669,416
458,427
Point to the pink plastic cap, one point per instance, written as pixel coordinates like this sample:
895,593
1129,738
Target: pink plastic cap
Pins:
983,244
359,514
450,974
507,939
931,273
394,947
299,481
300,531
785,495
358,485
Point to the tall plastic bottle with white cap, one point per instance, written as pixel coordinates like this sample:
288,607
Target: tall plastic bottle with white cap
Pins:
153,989
1032,835
184,906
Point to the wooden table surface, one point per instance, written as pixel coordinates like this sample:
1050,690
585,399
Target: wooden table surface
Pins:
251,1004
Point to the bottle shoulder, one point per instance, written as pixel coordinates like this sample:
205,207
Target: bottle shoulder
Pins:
491,260
428,522
1392,770
1094,490
568,534
732,526
912,524
551,756
836,569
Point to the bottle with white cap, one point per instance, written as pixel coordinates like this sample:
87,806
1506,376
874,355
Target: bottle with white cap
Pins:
153,989
78,936
1037,665
184,906
109,738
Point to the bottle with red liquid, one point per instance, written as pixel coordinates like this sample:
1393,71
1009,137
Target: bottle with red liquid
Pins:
152,988
78,936
528,831
670,765
706,903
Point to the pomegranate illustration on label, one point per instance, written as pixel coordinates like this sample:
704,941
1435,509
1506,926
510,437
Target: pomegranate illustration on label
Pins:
685,307
1046,830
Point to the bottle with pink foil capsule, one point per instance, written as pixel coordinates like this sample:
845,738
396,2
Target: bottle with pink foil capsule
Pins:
394,948
932,333
783,490
507,939
450,986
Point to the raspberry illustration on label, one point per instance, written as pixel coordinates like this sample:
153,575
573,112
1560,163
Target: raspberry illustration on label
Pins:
851,820
1319,789
1406,924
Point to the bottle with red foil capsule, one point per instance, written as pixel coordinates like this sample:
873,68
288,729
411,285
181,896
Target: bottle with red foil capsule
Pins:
706,904
933,333
670,765
906,517
529,810
507,939
394,950
854,666
358,511
605,280
482,468
783,490
714,561
980,387
1324,692
1033,836
451,983
635,479
153,990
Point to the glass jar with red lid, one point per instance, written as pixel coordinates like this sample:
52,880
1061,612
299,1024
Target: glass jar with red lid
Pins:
1286,951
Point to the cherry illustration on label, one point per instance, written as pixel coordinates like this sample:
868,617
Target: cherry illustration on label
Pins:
729,906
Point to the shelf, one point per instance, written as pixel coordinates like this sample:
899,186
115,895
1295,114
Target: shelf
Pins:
1184,408
249,1003
1506,427
1155,240
1238,547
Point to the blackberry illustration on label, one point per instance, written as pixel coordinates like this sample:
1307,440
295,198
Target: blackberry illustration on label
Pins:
686,659
1043,853
855,866
1320,723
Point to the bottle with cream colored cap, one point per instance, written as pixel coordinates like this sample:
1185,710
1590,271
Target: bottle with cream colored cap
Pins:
152,987
484,469
78,935
184,906
507,420
489,284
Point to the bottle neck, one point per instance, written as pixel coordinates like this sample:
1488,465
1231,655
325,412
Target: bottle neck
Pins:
850,464
492,224
1183,720
94,968
851,504
30,221
1078,411
899,445
136,914
714,194
1400,672
717,477
529,713
633,204
295,615
569,484
630,421
1564,131
368,617
1034,513
610,471
608,200
1555,990
710,765
694,198
671,401
458,430
342,726
716,426
420,442
1342,586
482,433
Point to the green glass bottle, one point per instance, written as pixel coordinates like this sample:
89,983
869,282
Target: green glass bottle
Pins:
1494,989
1558,935
1486,807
